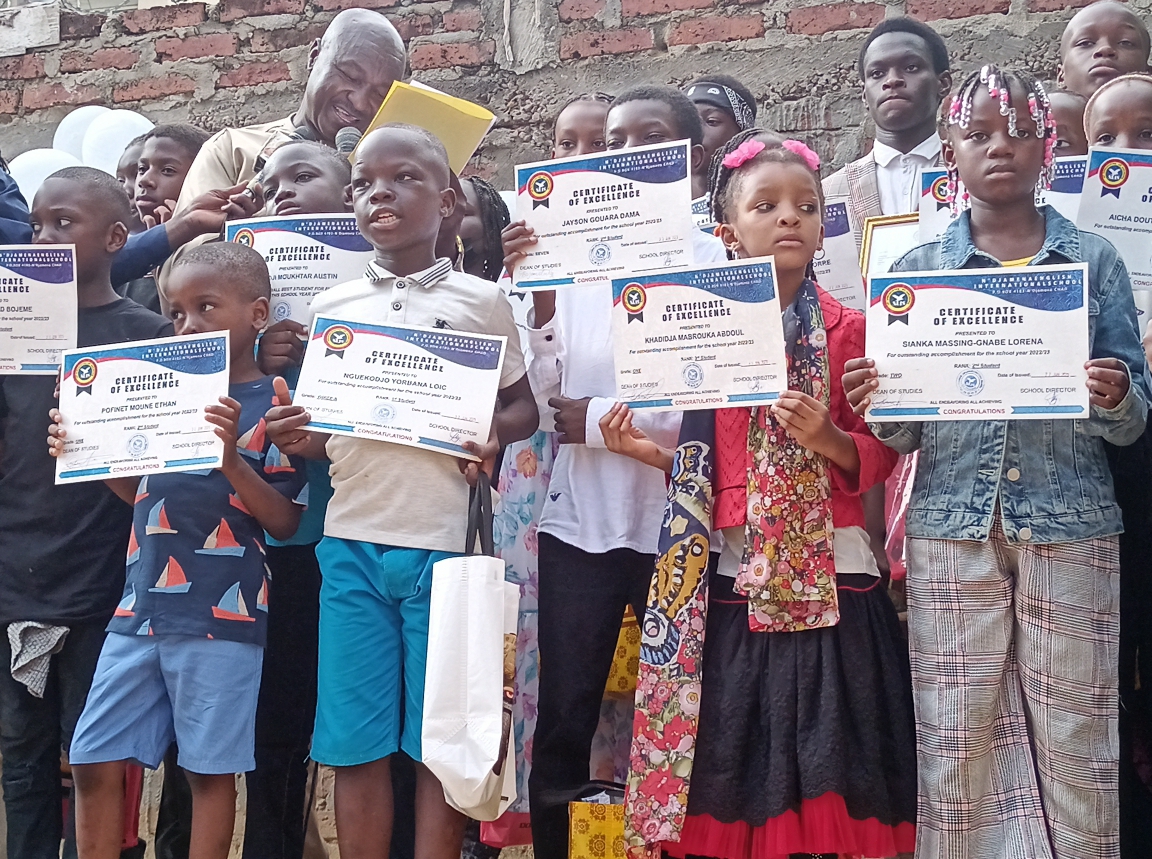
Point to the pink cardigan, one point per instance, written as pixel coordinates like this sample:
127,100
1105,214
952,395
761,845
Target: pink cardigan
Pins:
845,329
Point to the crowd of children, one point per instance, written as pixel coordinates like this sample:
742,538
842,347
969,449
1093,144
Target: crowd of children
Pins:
1006,719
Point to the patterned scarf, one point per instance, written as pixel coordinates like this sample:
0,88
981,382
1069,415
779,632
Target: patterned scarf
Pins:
787,570
671,651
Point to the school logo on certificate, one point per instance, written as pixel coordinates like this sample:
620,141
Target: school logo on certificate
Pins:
634,299
970,383
337,339
939,192
898,300
1113,174
245,237
693,376
85,374
600,254
540,185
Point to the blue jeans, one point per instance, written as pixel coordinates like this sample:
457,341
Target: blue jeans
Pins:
33,731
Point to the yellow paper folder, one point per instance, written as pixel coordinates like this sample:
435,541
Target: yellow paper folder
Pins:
459,123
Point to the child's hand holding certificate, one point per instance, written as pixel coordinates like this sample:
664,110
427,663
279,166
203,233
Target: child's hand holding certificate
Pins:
131,409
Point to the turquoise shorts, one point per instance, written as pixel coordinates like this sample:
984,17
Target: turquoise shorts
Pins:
373,650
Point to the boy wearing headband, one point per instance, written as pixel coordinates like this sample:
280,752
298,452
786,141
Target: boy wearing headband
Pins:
726,108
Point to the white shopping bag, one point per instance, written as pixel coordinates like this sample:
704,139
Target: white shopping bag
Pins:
466,736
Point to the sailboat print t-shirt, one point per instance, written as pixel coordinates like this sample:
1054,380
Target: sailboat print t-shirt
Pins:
196,556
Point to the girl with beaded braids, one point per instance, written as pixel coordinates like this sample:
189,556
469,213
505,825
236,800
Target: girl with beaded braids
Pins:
787,702
1013,568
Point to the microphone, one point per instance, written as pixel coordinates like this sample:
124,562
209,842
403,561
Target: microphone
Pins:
346,139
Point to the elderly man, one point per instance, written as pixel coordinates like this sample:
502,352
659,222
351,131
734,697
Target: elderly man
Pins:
351,69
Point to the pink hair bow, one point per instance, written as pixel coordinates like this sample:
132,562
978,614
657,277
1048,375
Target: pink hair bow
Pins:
742,154
810,157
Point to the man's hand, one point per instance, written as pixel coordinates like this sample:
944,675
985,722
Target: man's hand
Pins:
281,347
226,418
208,212
860,381
487,453
571,416
1107,382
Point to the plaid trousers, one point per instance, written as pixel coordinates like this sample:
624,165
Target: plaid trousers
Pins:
1014,671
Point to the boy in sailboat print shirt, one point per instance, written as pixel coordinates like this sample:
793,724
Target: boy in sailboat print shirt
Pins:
184,654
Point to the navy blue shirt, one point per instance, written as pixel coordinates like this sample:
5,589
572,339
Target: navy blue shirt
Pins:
196,556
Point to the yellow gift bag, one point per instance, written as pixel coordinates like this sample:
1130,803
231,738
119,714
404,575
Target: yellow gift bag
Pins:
596,828
626,661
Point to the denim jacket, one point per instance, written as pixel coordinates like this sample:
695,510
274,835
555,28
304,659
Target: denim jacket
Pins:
1049,477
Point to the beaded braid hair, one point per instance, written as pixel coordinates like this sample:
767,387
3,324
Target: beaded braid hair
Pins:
998,85
493,219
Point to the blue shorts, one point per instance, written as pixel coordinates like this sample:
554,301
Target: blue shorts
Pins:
151,690
373,648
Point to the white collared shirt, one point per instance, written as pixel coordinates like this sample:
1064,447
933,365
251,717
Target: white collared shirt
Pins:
392,494
896,174
598,500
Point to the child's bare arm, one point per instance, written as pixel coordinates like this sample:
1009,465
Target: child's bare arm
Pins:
124,487
809,421
621,437
516,419
277,515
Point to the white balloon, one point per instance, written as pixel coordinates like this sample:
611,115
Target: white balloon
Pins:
109,134
69,136
31,168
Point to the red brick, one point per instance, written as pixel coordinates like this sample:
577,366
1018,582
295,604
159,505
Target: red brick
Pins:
78,25
102,58
697,31
815,20
636,8
9,99
270,41
24,68
150,88
164,17
51,94
445,55
1055,5
580,10
251,74
195,47
932,10
593,43
234,10
413,25
469,18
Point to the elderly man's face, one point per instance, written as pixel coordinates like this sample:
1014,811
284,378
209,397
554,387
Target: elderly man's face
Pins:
357,62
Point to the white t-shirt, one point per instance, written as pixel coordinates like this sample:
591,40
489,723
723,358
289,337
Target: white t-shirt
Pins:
597,500
392,494
896,174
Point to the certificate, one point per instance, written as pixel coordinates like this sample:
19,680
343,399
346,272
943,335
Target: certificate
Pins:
599,217
1067,183
430,388
979,344
699,338
886,239
37,307
935,211
138,408
837,264
306,254
1117,203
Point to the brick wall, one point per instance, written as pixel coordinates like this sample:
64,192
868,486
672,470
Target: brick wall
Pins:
245,60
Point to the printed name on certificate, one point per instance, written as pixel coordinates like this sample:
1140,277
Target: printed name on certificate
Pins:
306,254
430,388
37,308
138,408
598,217
979,344
700,338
